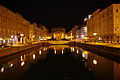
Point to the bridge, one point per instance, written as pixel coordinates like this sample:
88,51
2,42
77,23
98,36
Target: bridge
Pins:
58,42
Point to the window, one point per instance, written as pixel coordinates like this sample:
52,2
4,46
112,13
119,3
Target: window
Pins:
116,10
117,28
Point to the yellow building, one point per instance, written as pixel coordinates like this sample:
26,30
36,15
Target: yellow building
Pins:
69,35
105,24
58,33
13,27
44,32
34,33
37,32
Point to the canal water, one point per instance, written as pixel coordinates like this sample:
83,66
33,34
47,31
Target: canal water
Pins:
58,62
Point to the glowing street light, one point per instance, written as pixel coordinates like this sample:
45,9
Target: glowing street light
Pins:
33,36
94,62
22,35
94,34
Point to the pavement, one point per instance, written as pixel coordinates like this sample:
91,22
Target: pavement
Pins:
116,45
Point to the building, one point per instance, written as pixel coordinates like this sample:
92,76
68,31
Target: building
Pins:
68,35
37,32
58,33
83,32
78,32
13,27
34,32
44,32
75,32
105,24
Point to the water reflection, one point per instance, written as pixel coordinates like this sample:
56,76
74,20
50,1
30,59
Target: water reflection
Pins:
59,58
94,61
2,69
103,68
62,51
85,54
77,51
22,63
55,51
12,67
33,56
39,51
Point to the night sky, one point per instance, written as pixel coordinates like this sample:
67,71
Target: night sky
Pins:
56,12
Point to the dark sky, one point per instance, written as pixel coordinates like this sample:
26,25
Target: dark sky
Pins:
55,12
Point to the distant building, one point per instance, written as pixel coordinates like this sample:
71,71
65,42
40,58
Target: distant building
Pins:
34,32
83,32
14,28
105,24
43,32
58,33
75,32
79,32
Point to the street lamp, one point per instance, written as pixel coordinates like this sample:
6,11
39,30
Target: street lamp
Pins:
94,34
21,38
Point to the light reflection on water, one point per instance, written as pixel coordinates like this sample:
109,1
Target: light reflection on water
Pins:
104,69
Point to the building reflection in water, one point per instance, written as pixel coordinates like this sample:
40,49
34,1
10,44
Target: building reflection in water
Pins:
62,51
94,61
44,49
11,65
73,49
22,63
55,51
2,69
15,65
77,51
40,52
103,68
85,54
58,49
33,56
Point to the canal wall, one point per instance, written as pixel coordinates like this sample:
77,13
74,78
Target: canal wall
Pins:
109,52
12,50
57,42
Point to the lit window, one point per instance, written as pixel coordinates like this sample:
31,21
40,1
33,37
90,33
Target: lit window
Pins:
118,28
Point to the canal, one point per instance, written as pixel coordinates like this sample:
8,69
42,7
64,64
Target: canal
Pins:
58,62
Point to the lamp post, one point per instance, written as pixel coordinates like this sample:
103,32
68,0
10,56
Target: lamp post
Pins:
21,38
94,34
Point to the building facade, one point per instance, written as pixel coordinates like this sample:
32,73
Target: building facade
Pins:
13,27
83,32
37,33
105,24
34,33
43,32
58,33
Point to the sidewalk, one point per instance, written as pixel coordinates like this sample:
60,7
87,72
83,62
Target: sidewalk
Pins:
105,44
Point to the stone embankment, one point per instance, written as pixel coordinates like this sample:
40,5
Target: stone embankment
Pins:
14,50
109,52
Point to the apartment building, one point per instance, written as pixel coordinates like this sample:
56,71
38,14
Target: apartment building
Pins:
105,24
